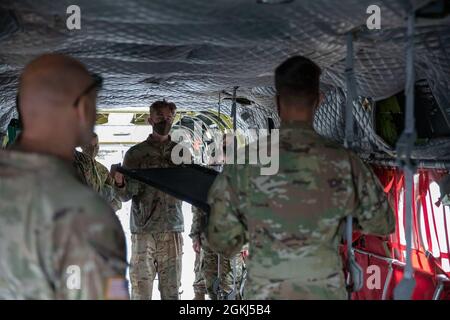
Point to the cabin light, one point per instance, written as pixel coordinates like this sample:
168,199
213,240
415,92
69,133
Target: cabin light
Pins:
274,1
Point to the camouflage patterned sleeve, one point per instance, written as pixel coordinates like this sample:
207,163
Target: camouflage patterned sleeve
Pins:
227,226
82,167
90,255
373,211
109,193
116,204
196,227
131,186
108,190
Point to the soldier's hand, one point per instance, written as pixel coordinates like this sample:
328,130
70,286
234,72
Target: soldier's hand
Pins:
117,176
197,245
119,179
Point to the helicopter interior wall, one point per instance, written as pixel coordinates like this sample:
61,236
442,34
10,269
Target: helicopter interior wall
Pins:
190,52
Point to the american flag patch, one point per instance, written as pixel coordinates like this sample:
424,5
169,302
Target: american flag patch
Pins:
117,289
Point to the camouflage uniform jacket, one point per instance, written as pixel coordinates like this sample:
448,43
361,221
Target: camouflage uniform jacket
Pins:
197,232
196,227
52,228
96,175
108,186
152,211
294,219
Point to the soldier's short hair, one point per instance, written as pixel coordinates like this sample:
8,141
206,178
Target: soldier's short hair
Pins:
160,104
298,78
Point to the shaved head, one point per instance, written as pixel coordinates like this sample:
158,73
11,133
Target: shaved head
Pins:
51,80
48,89
297,82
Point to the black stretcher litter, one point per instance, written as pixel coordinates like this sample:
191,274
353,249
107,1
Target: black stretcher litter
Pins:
189,183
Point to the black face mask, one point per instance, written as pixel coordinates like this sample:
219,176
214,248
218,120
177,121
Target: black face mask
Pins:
162,128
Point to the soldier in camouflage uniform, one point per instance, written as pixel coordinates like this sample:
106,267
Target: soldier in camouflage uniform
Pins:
58,239
156,217
206,262
294,218
95,174
195,234
199,282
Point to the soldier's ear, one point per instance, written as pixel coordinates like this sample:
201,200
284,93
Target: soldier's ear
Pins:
321,98
319,101
86,111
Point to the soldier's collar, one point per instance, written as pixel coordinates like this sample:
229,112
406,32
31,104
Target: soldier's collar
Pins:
150,139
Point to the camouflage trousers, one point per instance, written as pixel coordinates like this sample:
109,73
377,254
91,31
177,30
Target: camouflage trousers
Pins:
199,282
209,271
156,254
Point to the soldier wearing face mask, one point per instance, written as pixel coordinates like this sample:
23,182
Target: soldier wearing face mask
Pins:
156,218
